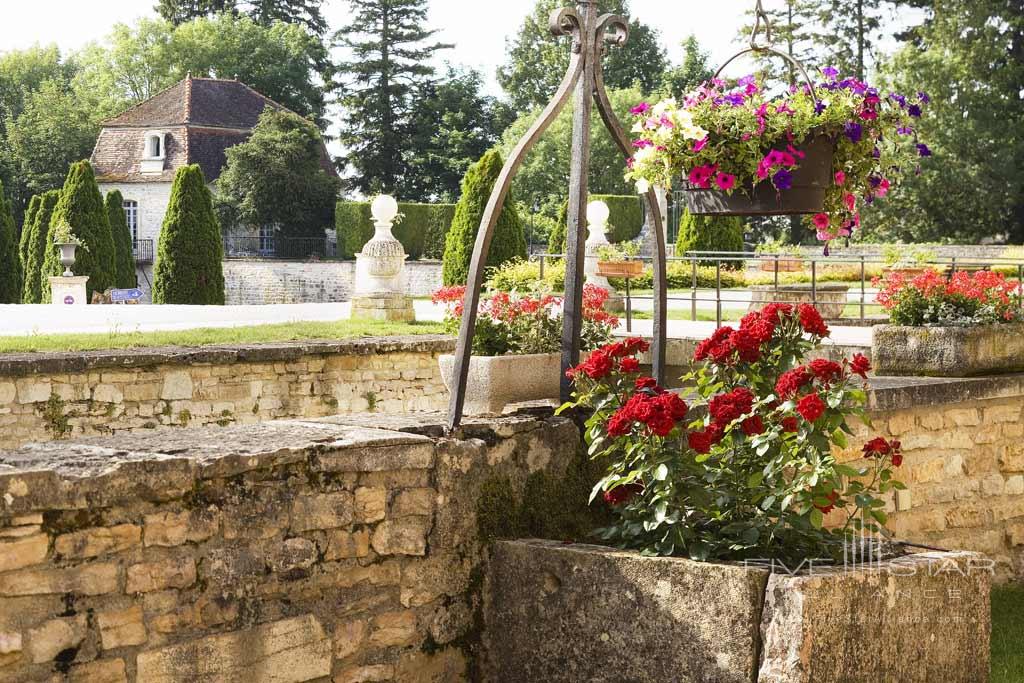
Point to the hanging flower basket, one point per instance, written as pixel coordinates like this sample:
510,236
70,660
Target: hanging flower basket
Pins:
620,269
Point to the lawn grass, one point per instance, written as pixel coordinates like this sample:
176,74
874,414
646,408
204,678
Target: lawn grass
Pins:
1008,634
207,336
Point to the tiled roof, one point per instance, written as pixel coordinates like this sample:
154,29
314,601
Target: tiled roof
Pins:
202,117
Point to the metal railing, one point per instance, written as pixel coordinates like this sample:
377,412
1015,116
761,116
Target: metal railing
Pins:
718,279
279,248
142,250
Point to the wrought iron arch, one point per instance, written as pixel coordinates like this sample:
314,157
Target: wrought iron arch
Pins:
590,34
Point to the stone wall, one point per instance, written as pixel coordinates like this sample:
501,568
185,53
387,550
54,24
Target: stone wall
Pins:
292,282
53,396
288,551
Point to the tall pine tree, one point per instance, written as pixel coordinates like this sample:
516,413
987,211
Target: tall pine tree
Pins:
536,61
852,30
10,263
388,60
308,13
26,230
795,28
38,242
123,256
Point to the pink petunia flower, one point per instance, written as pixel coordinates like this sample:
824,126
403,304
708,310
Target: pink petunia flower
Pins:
725,181
883,188
850,201
700,144
840,178
822,221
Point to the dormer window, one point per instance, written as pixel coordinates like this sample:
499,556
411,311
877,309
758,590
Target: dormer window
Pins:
155,146
154,153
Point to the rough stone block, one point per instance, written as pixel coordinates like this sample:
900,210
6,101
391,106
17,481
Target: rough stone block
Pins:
121,628
90,579
101,671
178,572
323,511
394,629
414,502
406,536
107,393
23,552
947,351
98,541
171,529
294,553
286,651
33,391
344,545
375,673
177,386
370,504
51,638
349,637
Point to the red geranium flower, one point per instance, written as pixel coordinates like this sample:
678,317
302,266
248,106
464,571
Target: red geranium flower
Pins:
811,407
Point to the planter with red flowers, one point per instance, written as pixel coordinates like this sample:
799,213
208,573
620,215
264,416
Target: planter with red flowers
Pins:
821,150
749,531
969,324
516,345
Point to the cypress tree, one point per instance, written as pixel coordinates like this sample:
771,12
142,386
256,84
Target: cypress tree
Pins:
508,241
39,239
10,264
123,257
188,259
710,233
26,229
81,205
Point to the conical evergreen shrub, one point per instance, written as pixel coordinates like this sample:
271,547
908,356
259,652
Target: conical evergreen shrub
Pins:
81,205
38,239
10,262
26,230
508,241
188,266
124,259
710,233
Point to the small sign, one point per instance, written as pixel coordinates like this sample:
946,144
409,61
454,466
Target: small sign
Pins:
69,300
121,295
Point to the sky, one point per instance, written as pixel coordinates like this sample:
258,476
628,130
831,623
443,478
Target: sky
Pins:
478,28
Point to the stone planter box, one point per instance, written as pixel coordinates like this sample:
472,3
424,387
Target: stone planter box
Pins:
948,351
496,381
558,612
782,264
620,269
830,297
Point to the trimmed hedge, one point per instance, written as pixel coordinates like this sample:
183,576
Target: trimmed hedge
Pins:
189,267
81,205
126,277
10,262
39,234
625,220
507,242
711,233
26,231
421,230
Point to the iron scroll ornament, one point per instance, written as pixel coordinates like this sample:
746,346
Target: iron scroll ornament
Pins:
590,34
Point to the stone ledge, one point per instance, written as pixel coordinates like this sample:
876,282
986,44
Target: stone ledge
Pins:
26,364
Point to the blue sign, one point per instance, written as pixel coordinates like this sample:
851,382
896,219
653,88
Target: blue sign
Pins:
119,295
69,300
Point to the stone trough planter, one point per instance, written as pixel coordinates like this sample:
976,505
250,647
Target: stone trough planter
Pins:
497,381
830,297
948,351
571,613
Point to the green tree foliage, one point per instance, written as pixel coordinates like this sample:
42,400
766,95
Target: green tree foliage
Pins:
38,243
417,230
10,263
452,124
852,31
81,205
693,70
279,60
189,267
388,52
277,178
536,62
26,232
795,29
181,11
544,177
969,57
508,241
625,220
124,258
306,13
711,233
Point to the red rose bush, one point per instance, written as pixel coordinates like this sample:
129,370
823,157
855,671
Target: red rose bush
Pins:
745,466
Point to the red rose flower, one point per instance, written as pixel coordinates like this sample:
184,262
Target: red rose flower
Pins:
715,347
825,370
661,424
622,494
811,321
753,425
790,383
833,497
702,442
790,424
897,459
634,345
811,407
775,313
673,405
645,383
748,347
629,364
640,407
860,365
725,408
620,423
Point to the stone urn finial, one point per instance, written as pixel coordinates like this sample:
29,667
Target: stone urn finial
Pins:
380,269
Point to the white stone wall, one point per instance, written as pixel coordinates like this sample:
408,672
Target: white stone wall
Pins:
152,199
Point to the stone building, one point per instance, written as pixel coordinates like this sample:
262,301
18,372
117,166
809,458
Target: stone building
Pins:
194,121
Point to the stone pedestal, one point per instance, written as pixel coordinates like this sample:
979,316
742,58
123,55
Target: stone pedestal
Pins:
598,229
68,291
383,306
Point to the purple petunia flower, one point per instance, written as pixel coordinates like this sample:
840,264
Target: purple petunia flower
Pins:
876,153
923,150
914,110
905,130
747,80
830,72
923,96
736,99
898,99
854,131
783,179
875,181
820,108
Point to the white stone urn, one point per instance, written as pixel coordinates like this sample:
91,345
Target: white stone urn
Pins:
380,270
67,256
497,381
597,220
